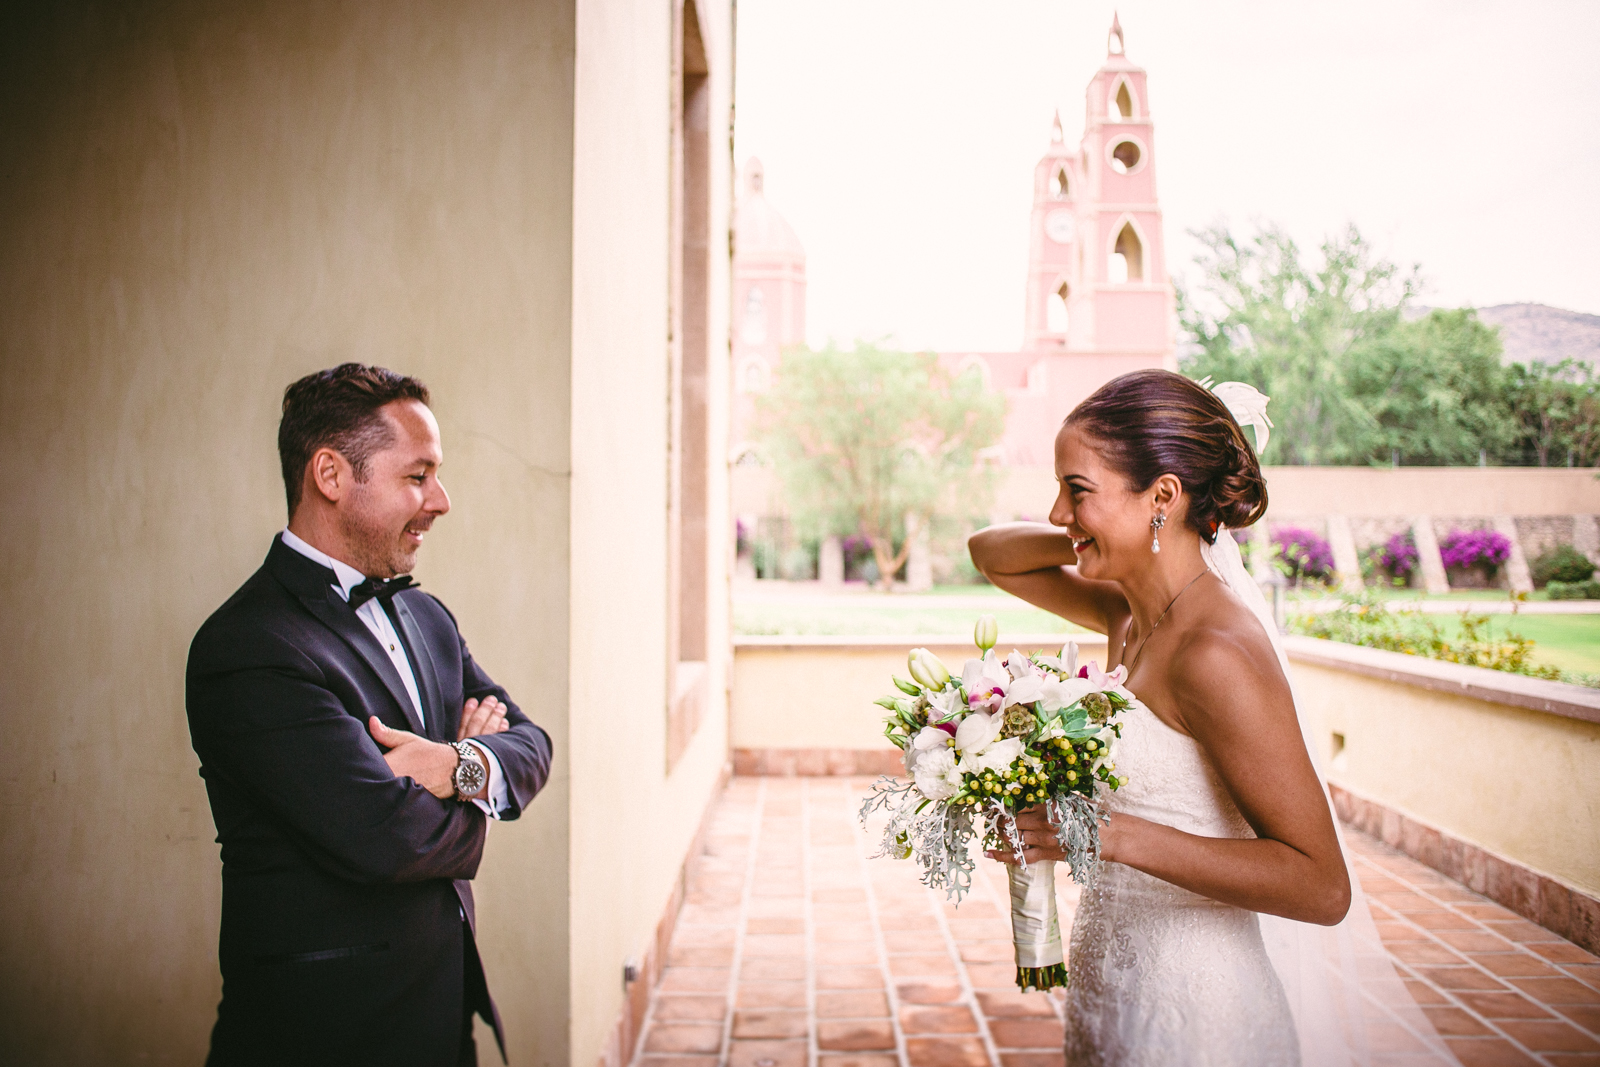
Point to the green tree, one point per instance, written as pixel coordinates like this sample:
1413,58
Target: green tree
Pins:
864,439
1260,314
1436,391
1555,412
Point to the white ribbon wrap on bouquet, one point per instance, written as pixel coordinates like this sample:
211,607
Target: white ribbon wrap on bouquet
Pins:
1034,925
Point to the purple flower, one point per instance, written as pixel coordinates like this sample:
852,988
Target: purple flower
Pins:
1463,548
1399,555
1304,551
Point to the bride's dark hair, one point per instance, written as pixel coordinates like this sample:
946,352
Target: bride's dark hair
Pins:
1154,422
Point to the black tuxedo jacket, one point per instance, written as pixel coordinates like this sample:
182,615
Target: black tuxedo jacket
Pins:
343,887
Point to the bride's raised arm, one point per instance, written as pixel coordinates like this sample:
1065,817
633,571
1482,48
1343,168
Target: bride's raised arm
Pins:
1036,562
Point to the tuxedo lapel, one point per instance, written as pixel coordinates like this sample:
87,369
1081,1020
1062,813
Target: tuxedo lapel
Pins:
313,583
427,672
338,617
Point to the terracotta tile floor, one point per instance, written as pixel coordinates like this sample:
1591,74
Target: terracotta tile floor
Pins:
795,950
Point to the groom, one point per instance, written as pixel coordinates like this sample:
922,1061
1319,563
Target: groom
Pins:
354,754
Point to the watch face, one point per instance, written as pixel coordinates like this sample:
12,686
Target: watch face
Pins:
1059,226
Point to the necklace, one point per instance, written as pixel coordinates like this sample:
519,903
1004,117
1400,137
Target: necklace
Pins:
1162,619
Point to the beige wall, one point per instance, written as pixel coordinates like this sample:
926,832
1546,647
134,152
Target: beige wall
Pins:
1310,491
631,822
203,203
1375,492
1522,783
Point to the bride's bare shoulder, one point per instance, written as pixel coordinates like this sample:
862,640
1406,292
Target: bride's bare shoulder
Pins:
1224,665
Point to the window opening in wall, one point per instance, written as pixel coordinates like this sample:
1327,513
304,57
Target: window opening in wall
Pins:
1120,106
753,376
1127,259
687,688
1056,310
753,331
1124,157
1059,186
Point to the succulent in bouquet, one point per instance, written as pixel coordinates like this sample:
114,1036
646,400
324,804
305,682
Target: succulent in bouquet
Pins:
1007,734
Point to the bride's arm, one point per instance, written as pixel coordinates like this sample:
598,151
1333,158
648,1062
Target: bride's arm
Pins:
1036,562
1232,697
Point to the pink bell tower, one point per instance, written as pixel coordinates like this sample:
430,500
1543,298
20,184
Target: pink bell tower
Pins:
1099,300
1097,270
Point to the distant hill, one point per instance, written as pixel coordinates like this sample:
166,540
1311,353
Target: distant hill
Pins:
1534,332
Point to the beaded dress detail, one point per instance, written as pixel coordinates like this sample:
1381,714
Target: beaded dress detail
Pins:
1160,975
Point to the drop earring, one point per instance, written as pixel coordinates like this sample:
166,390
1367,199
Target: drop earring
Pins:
1155,524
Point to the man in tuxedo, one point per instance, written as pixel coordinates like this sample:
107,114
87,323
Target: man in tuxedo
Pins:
354,753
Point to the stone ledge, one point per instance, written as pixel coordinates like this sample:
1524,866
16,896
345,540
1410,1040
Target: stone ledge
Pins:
1559,908
1479,683
876,643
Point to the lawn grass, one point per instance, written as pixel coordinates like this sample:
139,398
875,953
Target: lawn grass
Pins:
888,616
1570,642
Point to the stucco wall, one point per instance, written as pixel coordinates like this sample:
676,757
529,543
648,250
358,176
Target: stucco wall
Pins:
203,203
631,822
1519,782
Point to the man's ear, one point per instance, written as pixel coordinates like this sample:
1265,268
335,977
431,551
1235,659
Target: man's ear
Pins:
329,474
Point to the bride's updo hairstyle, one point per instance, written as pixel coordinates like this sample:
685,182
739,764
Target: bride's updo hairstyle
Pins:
1154,422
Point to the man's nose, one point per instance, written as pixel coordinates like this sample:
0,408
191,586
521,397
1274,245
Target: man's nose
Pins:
438,500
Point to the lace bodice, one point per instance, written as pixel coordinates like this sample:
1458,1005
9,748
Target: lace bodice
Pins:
1160,975
1171,781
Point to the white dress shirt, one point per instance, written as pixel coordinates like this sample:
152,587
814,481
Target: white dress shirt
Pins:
377,620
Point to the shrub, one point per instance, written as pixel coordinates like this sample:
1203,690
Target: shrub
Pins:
1363,619
1398,556
1463,548
1302,552
1561,564
1589,589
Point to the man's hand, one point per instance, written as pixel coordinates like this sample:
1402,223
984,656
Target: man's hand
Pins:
477,719
431,763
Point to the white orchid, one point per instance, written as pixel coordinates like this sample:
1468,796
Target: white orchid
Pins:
1248,408
1027,681
935,773
946,703
979,746
1066,663
985,681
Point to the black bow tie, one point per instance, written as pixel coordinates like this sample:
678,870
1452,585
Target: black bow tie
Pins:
373,589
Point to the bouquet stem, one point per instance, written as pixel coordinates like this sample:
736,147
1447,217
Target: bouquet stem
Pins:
1035,926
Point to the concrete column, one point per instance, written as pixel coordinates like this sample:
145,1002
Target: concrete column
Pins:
1345,560
1517,573
1586,537
1429,562
830,562
919,561
1261,550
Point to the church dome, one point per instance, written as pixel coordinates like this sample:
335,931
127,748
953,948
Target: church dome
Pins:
759,231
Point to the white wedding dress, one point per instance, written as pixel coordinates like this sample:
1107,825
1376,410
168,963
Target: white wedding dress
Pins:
1163,976
1160,975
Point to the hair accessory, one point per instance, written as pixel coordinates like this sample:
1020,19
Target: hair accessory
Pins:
1247,406
1155,524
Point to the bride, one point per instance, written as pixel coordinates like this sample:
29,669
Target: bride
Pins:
1224,817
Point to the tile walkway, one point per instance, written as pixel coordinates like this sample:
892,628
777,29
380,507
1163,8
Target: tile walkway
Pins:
794,950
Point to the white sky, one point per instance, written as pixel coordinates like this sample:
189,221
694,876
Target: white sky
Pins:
899,140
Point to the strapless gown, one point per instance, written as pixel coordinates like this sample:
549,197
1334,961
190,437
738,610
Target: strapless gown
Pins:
1160,975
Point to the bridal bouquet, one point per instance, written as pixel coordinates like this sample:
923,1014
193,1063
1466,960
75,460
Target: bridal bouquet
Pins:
1008,734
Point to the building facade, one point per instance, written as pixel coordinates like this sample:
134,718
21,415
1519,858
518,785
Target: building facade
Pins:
1099,299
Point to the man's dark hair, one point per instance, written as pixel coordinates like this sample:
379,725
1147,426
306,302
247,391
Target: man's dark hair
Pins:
338,409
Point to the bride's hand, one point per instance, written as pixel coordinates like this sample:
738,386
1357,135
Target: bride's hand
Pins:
1038,839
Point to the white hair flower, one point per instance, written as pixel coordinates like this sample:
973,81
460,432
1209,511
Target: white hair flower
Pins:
1247,406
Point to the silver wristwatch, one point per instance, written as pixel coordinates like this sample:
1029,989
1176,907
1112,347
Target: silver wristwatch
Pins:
470,770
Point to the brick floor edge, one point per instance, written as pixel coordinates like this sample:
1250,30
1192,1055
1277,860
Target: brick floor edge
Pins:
1559,908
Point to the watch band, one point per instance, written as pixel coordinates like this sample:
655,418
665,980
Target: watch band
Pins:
471,772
